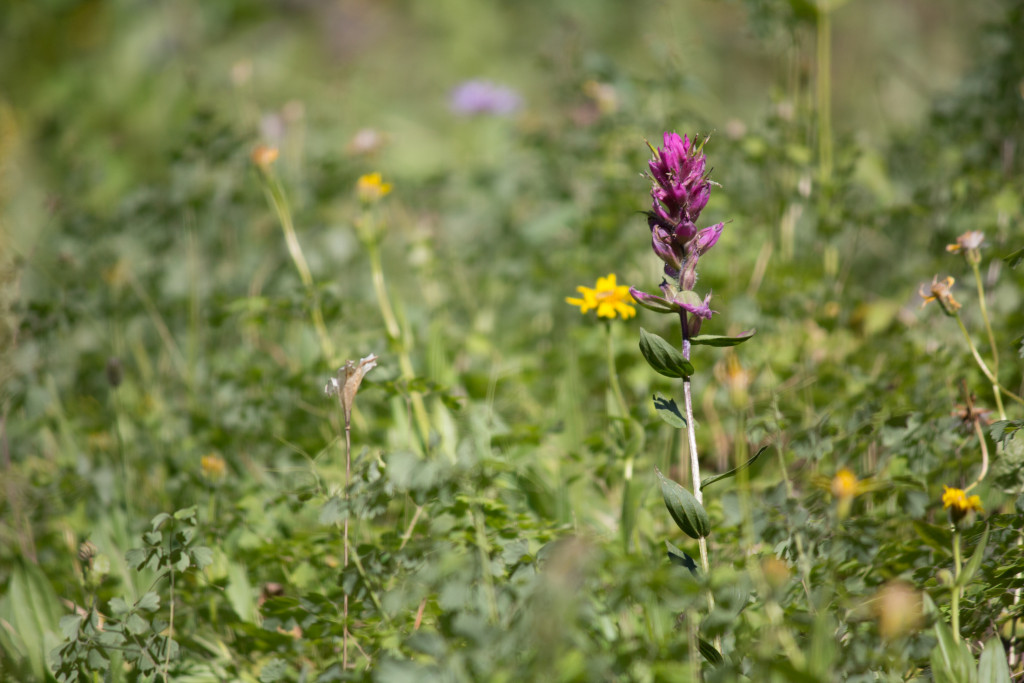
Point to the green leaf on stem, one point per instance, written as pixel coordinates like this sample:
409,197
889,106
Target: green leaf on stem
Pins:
1014,259
721,340
669,411
708,652
975,562
688,514
681,558
734,471
664,358
951,659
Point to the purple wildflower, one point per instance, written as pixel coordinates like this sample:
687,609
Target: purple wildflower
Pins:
484,97
680,191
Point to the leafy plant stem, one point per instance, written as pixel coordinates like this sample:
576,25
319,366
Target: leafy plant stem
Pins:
170,620
691,441
955,606
275,193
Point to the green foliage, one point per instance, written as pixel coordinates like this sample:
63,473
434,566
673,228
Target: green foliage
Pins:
173,485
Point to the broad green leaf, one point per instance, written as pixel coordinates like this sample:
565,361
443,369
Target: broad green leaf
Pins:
669,411
687,513
951,659
155,523
149,602
186,514
734,471
721,340
202,556
664,358
975,562
992,667
135,625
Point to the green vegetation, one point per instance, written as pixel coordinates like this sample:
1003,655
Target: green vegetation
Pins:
209,211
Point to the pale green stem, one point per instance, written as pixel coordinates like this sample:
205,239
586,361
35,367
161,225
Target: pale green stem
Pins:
997,388
824,88
284,216
613,379
955,607
984,455
988,328
394,330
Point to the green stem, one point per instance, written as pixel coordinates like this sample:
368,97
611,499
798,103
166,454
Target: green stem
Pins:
997,388
394,330
988,329
824,88
275,194
955,607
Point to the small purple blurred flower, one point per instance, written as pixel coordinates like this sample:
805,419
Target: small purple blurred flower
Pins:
484,97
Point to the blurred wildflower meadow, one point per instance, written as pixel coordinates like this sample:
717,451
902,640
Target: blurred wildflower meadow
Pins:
486,341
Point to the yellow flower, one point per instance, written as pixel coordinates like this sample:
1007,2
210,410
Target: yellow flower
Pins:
263,156
372,188
959,503
845,484
940,292
213,467
607,297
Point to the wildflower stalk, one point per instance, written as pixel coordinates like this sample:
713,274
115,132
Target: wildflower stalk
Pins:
955,602
824,87
368,232
691,442
997,388
275,195
613,379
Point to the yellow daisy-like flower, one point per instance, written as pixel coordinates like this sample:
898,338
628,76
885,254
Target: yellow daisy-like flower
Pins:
959,503
845,484
213,467
608,297
940,292
372,188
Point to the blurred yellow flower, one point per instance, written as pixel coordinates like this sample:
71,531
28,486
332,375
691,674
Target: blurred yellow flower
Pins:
845,484
372,188
608,297
213,466
263,156
959,503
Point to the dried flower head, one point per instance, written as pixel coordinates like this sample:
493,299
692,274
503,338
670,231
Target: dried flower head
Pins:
608,297
898,609
969,244
942,293
346,383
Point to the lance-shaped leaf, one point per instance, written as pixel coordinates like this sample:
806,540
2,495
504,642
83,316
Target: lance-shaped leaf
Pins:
687,513
721,340
669,411
975,562
1015,259
680,558
734,471
664,358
